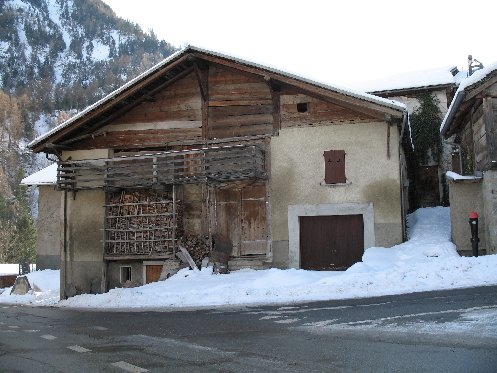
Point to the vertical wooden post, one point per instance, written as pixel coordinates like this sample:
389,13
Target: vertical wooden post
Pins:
202,74
490,132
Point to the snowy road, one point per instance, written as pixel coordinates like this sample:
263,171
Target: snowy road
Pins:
452,331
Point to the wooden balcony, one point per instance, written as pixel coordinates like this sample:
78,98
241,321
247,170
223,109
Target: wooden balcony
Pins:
206,165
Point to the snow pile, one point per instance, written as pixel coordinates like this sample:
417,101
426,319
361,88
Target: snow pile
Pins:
455,176
45,285
428,261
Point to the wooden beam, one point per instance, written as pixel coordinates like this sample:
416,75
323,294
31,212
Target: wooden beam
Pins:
202,82
275,89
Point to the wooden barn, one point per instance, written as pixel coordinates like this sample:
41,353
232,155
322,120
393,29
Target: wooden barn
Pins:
288,171
472,121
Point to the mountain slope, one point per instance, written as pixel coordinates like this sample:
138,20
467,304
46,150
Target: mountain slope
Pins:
69,53
56,57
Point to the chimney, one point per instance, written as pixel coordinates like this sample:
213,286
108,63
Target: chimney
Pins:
473,65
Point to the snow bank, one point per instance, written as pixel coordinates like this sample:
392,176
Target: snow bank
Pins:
428,261
45,285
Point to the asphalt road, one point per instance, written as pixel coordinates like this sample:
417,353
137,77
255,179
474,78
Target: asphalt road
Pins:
450,331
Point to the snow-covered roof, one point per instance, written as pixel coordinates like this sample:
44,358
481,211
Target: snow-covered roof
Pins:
456,177
46,176
345,91
466,85
440,76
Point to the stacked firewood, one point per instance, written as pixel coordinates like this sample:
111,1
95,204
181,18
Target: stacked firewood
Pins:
142,222
198,247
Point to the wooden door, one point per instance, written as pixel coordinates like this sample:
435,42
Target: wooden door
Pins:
241,216
253,220
228,216
331,242
427,186
153,273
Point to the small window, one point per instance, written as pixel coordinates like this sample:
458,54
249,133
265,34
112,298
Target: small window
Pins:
302,107
125,274
334,167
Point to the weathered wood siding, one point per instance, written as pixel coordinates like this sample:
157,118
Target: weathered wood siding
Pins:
490,115
241,217
479,137
172,115
319,112
239,104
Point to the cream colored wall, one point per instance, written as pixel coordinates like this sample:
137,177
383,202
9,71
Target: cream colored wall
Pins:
85,219
48,228
297,174
412,103
466,197
77,155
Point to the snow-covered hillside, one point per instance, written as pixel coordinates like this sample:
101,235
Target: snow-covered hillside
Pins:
50,44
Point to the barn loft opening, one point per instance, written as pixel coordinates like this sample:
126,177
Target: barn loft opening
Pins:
302,107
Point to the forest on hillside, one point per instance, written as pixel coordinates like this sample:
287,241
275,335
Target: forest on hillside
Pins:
56,58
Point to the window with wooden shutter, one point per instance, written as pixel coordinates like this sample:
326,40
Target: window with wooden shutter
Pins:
334,167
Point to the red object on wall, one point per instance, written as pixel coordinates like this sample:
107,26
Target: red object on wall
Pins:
473,215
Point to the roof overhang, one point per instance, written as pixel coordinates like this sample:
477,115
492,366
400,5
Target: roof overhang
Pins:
180,64
468,92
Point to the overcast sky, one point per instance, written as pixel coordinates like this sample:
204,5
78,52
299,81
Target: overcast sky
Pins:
333,41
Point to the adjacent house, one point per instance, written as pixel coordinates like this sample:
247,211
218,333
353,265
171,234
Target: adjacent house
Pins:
290,172
472,121
48,222
430,187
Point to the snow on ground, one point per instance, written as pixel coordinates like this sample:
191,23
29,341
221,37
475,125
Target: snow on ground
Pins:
45,285
428,261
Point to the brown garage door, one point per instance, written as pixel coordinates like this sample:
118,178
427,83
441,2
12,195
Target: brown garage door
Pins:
331,242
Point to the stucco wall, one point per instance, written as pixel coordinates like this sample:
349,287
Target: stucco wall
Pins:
297,176
466,197
114,273
489,190
85,219
48,227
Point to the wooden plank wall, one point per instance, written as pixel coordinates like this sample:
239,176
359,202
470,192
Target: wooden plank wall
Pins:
491,129
319,112
172,115
479,138
239,104
467,146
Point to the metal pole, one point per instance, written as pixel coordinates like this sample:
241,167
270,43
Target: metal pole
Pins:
473,224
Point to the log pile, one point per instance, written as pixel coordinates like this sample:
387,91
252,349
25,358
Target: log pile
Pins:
198,247
142,222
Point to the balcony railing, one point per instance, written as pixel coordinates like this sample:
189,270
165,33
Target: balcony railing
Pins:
206,165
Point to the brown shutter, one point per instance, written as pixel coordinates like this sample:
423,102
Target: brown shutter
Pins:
334,166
